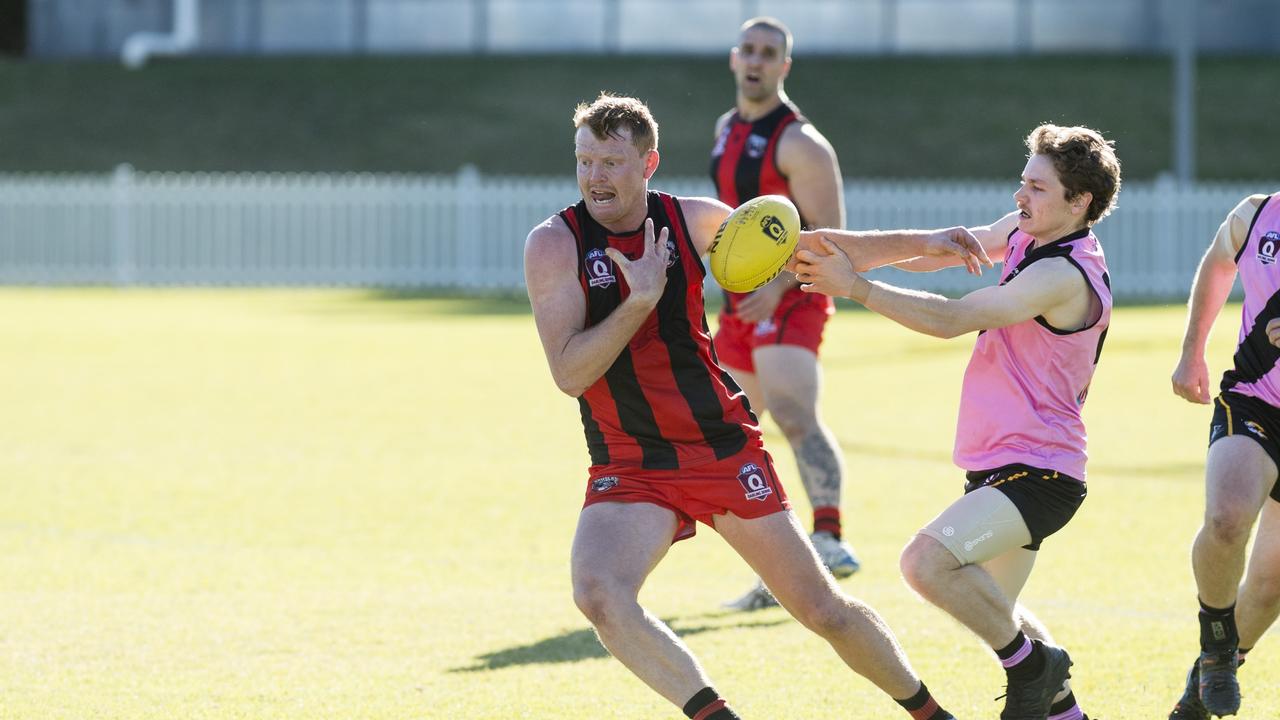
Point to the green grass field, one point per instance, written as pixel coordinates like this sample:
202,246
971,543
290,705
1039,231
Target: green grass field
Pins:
345,504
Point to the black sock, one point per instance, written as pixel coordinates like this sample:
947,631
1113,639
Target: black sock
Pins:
1030,666
706,704
1218,628
1007,651
922,706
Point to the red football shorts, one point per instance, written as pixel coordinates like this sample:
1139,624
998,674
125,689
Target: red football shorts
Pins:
744,484
799,321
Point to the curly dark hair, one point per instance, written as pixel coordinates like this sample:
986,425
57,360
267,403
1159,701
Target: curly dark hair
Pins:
610,113
1085,163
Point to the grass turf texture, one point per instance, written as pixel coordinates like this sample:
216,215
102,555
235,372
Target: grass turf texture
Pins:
343,504
943,117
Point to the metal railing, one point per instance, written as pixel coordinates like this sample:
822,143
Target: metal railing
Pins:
466,231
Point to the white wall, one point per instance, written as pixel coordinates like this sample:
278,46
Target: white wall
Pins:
60,28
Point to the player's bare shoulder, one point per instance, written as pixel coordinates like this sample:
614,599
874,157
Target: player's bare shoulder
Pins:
801,143
704,216
1234,231
548,250
723,121
1248,207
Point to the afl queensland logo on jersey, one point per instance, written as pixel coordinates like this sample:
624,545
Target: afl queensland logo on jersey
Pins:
753,482
599,269
1267,247
756,145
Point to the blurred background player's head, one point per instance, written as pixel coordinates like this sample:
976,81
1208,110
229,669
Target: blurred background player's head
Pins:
762,58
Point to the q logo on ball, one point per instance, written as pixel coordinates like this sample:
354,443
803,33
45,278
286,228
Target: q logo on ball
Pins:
774,228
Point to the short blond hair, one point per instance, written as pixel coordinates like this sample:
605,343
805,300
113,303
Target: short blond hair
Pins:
1084,161
610,113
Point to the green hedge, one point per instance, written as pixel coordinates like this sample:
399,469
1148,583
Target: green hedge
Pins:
943,117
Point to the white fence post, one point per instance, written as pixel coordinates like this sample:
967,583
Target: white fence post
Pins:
470,271
122,246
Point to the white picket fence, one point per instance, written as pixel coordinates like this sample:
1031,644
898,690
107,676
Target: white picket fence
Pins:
466,231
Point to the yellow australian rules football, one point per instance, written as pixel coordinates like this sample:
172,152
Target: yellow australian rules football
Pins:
754,242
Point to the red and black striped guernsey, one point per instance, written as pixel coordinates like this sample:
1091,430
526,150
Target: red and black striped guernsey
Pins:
665,403
744,162
744,165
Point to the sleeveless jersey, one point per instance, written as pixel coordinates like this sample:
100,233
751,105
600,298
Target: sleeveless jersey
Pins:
665,403
1026,383
744,166
1254,372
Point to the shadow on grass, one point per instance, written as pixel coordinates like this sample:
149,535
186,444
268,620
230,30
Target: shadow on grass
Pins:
576,645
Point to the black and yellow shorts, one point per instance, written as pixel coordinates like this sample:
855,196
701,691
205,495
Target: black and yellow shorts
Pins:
1046,499
1236,414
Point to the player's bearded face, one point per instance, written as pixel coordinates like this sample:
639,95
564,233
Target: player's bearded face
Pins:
611,176
1044,212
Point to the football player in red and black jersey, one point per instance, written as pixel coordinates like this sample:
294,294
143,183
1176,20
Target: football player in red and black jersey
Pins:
768,339
615,282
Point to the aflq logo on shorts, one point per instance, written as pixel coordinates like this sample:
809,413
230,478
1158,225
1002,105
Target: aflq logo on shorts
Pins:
774,229
752,478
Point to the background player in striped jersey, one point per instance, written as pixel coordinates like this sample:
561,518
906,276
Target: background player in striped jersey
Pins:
615,282
769,339
1020,436
1244,452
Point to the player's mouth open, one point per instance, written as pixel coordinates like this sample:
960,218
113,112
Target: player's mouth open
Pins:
602,197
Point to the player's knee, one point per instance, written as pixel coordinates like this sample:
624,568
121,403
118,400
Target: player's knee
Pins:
1229,523
598,598
794,419
828,615
920,563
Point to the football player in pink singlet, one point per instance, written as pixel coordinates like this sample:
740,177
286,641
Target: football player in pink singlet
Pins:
1244,452
1020,437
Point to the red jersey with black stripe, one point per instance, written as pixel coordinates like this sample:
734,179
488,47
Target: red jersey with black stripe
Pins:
665,403
744,162
744,165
